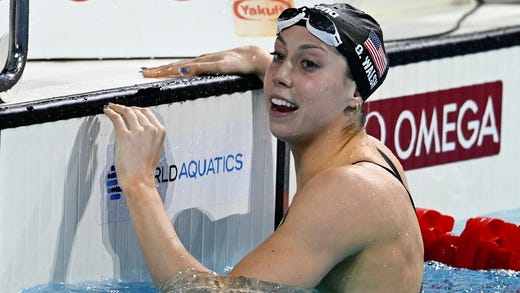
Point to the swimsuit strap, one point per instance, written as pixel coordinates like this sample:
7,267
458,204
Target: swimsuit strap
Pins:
389,162
392,171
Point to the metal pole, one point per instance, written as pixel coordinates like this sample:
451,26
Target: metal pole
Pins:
18,44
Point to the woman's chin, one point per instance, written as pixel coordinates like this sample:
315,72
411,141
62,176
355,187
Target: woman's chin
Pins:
284,134
281,135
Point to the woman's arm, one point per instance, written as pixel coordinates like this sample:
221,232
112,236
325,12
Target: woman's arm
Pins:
241,60
138,142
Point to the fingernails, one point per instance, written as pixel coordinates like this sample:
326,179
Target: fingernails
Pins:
142,68
108,106
184,70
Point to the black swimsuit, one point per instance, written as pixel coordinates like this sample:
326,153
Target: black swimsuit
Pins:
392,171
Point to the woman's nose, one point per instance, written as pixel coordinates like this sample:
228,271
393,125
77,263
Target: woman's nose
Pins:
283,75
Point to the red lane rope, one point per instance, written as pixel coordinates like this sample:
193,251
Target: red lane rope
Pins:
485,243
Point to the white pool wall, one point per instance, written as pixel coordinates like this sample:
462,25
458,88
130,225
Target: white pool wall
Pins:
58,222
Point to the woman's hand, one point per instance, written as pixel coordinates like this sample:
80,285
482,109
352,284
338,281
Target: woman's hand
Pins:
138,143
241,60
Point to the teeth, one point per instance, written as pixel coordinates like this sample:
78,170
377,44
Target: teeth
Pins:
284,103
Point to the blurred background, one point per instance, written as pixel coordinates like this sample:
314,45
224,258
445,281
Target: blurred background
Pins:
169,28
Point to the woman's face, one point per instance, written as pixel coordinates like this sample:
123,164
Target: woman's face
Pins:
306,87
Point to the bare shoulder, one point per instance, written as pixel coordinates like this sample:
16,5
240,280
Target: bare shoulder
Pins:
354,199
359,184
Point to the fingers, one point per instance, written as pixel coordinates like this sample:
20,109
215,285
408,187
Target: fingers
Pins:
241,60
128,115
176,69
206,63
183,69
117,120
135,117
168,70
152,118
152,123
141,118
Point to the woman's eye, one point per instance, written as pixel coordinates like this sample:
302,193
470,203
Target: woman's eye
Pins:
309,65
277,57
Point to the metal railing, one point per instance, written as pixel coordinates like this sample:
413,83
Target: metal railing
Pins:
18,41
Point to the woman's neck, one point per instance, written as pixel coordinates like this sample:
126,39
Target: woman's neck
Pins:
312,157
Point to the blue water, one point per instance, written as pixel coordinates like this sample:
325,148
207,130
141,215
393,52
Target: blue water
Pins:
95,286
437,278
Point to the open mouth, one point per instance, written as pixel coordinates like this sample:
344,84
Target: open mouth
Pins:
282,106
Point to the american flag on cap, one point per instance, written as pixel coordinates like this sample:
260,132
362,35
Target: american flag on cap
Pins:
374,46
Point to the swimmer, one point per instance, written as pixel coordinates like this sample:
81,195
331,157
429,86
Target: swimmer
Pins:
351,226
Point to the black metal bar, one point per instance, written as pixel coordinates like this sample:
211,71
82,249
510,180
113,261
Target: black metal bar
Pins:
18,44
282,182
406,52
143,95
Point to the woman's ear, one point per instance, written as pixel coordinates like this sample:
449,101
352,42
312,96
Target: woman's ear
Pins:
355,103
358,99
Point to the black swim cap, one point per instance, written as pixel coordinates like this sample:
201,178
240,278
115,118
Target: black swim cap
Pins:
361,41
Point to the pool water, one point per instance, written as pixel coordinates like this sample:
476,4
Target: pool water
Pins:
95,286
437,278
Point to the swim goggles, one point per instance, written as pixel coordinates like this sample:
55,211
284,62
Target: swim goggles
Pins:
317,24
